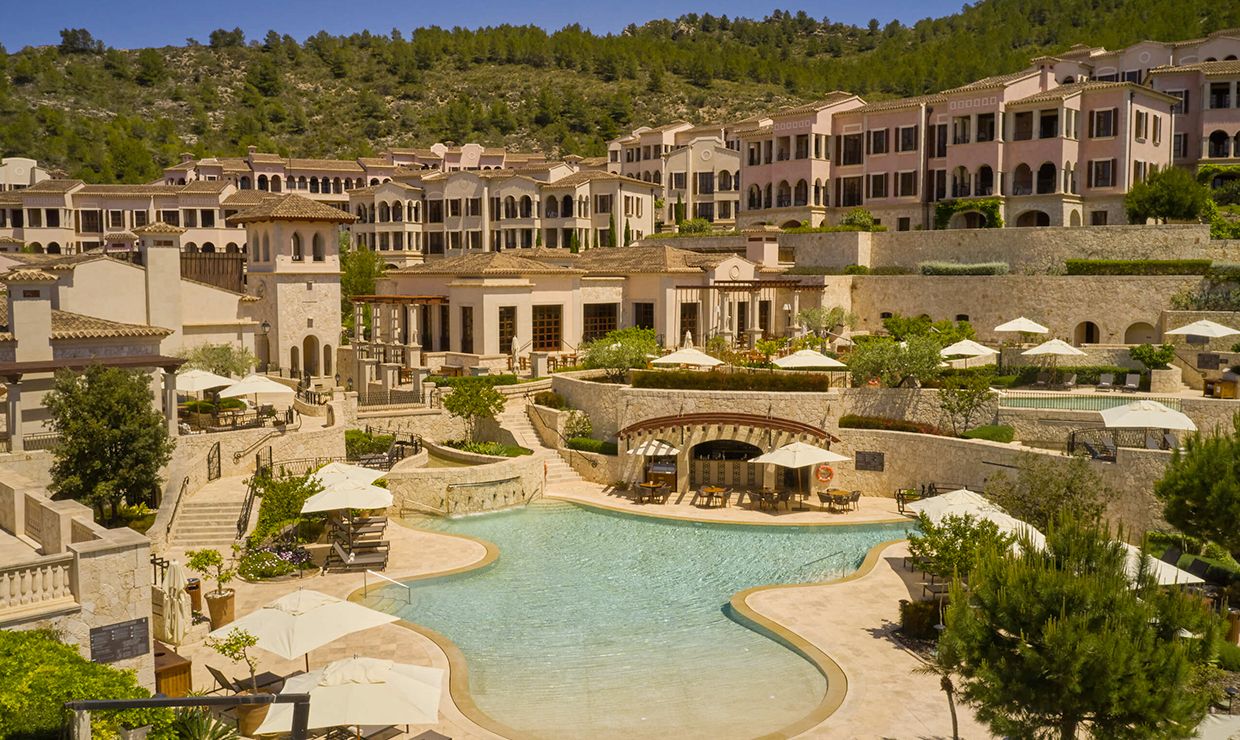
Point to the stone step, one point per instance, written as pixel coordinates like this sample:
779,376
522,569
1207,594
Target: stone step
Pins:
201,530
212,506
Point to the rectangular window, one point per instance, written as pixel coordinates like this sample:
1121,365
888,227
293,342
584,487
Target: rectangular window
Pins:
940,184
454,207
597,319
643,315
1097,218
986,127
706,183
1220,95
434,211
445,329
878,185
1048,124
191,218
602,204
939,148
92,221
467,329
689,321
1157,130
1143,125
704,210
961,130
206,217
1102,123
903,223
908,139
116,219
473,207
1133,76
878,141
139,218
507,328
907,184
434,242
1102,173
1180,107
1179,146
546,329
725,209
802,146
678,181
454,240
172,218
850,191
1022,126
852,148
496,213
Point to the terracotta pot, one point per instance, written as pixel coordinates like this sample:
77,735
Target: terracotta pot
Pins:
220,606
250,716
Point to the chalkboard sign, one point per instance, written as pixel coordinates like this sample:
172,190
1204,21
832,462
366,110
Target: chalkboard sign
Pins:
869,461
1207,361
119,641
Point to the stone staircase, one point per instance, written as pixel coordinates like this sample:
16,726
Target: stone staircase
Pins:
209,517
515,419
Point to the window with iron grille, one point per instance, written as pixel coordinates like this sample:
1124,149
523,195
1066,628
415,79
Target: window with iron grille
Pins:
547,329
597,319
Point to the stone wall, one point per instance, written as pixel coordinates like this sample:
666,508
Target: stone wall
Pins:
493,483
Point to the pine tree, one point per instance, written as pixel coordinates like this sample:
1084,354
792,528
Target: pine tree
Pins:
628,233
611,230
574,245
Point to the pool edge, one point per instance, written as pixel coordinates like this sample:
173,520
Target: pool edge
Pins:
695,520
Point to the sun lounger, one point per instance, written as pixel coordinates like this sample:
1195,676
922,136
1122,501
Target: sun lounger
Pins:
1171,555
1132,383
359,559
1069,383
1170,442
1106,382
904,496
1042,381
1199,568
1093,451
1108,446
237,685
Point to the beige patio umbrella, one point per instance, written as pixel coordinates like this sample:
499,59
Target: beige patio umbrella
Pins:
337,472
255,385
1146,414
967,348
177,616
1204,328
1054,348
303,620
196,381
807,358
1164,574
799,455
963,502
362,691
654,448
1022,325
348,494
688,356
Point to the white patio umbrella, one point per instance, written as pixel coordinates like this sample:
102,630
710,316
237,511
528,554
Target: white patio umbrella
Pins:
967,348
362,691
254,385
196,381
303,620
688,356
807,358
1056,348
964,502
1164,574
654,448
336,472
348,494
1204,328
1146,414
798,455
1023,326
177,614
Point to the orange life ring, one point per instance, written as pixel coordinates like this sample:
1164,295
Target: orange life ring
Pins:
824,473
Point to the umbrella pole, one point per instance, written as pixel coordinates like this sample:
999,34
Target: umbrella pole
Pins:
307,656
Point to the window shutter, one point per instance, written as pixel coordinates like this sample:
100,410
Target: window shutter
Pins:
1089,172
1113,173
869,136
1093,116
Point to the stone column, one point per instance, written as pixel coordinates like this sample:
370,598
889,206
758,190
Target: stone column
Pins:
753,330
796,310
170,400
389,375
420,374
13,384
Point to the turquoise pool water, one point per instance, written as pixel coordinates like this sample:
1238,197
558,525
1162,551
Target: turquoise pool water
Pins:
1077,402
600,625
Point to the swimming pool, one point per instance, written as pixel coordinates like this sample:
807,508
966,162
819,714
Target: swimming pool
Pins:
605,625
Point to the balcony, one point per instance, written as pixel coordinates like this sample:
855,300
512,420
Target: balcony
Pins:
961,191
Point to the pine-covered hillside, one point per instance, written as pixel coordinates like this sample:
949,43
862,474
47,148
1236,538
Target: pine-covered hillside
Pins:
108,115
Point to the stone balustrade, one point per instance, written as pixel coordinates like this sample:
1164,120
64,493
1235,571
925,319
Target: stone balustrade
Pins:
37,587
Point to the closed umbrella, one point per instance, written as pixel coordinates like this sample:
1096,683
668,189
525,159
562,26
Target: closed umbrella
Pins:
336,472
297,623
348,494
1146,414
688,340
1164,574
177,614
362,691
654,448
1023,326
196,381
1204,328
807,358
688,356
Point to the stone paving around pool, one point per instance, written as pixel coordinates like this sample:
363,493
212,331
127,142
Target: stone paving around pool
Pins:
850,621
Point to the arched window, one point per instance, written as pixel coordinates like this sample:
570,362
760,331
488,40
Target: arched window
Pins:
262,182
314,184
190,247
298,255
1220,145
658,177
301,183
231,248
510,207
1022,180
53,248
962,183
566,207
783,196
208,248
766,196
385,213
374,181
318,249
725,180
819,194
985,180
755,197
552,207
275,184
1047,176
800,196
527,207
397,211
244,182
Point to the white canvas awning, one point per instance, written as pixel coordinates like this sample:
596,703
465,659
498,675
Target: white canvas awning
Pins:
654,448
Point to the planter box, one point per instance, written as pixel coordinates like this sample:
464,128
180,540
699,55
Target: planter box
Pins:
1165,381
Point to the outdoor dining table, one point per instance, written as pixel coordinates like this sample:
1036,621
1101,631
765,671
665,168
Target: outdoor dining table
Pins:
648,490
715,492
764,499
837,497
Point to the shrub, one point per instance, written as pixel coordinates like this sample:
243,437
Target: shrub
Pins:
358,443
1137,267
963,268
856,270
859,218
740,381
446,381
551,400
694,226
496,449
1228,656
855,421
917,619
578,425
271,562
1085,374
280,502
585,444
993,432
1154,358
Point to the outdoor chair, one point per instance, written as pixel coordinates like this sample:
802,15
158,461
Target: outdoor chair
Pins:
1093,451
238,685
1199,568
854,500
1170,442
904,496
1153,442
359,559
785,498
1106,382
1069,382
1171,555
1043,380
1108,446
1132,383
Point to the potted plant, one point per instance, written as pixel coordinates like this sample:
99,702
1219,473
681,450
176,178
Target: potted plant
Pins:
236,647
210,563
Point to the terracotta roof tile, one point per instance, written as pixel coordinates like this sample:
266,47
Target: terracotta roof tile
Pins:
832,98
158,227
291,208
880,106
508,262
332,165
1076,88
67,325
126,189
53,186
245,198
992,81
27,275
1209,69
657,258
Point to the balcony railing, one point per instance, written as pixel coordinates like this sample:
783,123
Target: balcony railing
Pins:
37,586
783,202
1218,102
960,191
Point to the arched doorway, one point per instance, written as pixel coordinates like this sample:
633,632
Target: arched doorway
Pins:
1033,218
327,360
1074,219
724,462
1140,333
1087,333
53,248
968,220
310,351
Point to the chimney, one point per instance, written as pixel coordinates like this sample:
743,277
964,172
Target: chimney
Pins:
29,303
186,157
159,249
251,150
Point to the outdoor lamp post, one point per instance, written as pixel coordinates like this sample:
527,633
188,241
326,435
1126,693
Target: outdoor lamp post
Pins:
265,328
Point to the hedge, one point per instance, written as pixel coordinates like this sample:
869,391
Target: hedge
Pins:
551,400
1085,374
992,432
446,381
962,268
854,421
990,208
585,444
1137,267
742,381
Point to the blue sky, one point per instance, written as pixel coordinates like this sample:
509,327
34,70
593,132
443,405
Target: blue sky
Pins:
137,23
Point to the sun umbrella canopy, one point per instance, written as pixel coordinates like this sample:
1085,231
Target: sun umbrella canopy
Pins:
177,614
348,494
1055,347
1146,414
1164,574
1022,325
967,348
194,381
1205,328
335,472
799,455
964,502
253,385
297,623
654,448
688,356
807,358
362,691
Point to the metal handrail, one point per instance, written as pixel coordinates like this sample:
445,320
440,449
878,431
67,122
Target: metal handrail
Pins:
269,435
243,519
366,586
177,506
